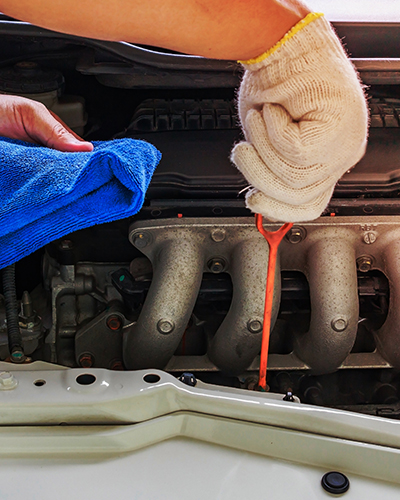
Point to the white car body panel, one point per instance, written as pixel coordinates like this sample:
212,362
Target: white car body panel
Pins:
165,439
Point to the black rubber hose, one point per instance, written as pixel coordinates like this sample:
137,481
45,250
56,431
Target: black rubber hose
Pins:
11,304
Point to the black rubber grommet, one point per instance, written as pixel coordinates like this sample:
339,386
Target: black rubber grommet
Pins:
335,482
188,379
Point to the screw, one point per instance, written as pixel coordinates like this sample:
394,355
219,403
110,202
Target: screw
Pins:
7,381
116,365
339,324
188,379
164,326
364,263
141,240
254,326
369,238
86,360
114,322
218,235
216,265
296,234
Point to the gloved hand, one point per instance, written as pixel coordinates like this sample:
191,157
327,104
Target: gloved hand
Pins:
305,120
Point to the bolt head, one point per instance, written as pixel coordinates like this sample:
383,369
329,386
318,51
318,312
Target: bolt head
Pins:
216,265
218,235
117,365
141,239
369,238
254,326
18,356
165,326
364,263
296,234
114,322
86,360
339,324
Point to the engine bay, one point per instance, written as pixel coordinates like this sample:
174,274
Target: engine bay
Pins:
180,286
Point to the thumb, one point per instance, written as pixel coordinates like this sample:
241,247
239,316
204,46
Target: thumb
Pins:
48,129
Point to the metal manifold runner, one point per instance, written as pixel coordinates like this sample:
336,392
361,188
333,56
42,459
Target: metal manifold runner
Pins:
326,251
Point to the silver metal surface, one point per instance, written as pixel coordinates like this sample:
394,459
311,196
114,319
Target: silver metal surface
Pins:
326,253
64,282
276,362
332,276
238,339
180,252
388,337
178,261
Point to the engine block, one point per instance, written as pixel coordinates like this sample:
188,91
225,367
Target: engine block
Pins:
107,315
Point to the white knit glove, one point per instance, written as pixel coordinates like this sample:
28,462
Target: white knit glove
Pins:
305,120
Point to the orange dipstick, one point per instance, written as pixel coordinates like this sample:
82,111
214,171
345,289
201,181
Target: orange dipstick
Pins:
273,238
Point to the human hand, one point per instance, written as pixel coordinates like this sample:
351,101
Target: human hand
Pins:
305,121
31,121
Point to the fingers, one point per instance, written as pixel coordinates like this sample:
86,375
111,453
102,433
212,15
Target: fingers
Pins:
305,120
31,121
301,142
46,128
258,173
292,173
278,211
322,122
67,127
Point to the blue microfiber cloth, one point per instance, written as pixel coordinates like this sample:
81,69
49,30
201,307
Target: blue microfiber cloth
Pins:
46,194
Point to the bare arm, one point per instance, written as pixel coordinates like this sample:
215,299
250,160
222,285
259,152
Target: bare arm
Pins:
220,29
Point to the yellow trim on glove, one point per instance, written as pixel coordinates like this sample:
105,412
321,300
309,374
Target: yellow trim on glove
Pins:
296,28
